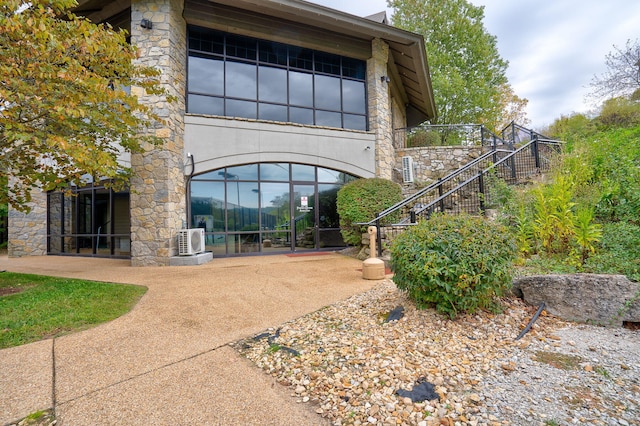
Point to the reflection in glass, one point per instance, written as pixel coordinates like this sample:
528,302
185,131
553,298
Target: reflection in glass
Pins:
272,112
246,172
207,206
216,243
327,206
328,119
301,115
205,105
300,89
206,76
241,81
353,97
251,208
303,172
327,92
272,84
355,122
242,109
274,171
330,176
242,205
275,201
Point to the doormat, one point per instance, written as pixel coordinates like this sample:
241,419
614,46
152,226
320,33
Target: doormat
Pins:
315,253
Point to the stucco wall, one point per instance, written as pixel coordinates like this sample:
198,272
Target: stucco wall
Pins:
219,142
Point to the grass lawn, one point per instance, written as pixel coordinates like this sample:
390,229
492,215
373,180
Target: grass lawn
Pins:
35,307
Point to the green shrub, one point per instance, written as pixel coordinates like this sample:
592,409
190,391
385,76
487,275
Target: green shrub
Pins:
620,112
360,201
455,263
618,251
423,137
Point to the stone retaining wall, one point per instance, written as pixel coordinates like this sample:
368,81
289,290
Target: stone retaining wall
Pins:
28,231
434,162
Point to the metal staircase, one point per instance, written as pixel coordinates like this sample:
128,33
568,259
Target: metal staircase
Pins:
516,156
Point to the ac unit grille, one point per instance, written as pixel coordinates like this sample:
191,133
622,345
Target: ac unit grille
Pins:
407,169
190,241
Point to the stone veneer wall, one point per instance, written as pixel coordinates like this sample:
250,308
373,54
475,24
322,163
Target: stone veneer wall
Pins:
380,118
28,231
432,163
158,205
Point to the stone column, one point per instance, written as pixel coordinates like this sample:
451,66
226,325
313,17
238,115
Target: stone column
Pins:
380,117
157,186
28,231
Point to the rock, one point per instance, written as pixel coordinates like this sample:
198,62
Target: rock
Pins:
600,299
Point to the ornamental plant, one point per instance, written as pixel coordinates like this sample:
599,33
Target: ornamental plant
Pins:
360,201
454,263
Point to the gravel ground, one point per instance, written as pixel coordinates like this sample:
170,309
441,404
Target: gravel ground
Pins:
349,363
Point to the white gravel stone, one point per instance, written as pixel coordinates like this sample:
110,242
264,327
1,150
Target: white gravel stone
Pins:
350,362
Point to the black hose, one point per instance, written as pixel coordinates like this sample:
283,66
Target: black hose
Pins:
535,317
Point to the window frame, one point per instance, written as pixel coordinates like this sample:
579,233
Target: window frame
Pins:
320,66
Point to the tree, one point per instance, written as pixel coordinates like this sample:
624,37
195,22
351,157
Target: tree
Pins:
622,77
468,75
65,112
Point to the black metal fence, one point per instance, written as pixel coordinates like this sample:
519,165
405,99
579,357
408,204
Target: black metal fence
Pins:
449,135
471,189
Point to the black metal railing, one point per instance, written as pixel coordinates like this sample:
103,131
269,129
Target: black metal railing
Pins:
471,188
448,135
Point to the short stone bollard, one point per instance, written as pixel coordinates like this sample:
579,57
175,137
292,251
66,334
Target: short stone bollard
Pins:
373,268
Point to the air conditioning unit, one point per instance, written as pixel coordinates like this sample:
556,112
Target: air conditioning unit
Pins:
190,241
407,169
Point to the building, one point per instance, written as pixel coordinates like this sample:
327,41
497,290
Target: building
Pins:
280,102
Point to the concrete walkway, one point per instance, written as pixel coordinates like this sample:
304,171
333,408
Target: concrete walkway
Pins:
168,362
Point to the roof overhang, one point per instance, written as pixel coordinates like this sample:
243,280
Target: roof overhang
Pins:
407,49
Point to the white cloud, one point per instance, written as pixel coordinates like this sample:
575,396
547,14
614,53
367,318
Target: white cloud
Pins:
554,48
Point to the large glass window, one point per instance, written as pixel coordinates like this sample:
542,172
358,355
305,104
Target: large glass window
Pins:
92,221
267,207
238,76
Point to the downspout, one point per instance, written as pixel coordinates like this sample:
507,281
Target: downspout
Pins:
187,190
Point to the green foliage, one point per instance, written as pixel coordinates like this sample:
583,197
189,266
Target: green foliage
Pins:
619,112
463,59
618,251
64,112
43,307
587,233
422,137
456,263
571,127
586,218
553,218
360,201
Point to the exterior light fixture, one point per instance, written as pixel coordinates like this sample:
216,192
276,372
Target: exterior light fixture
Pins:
385,79
146,23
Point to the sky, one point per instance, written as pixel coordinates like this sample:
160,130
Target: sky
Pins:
554,47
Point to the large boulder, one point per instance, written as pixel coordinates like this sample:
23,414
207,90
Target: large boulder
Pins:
607,300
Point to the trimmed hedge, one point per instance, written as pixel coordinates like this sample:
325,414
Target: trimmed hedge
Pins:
360,201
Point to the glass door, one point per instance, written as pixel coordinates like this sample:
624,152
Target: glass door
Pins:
305,227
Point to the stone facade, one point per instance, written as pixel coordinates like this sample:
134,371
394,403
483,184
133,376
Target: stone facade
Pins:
432,163
28,231
380,118
158,207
